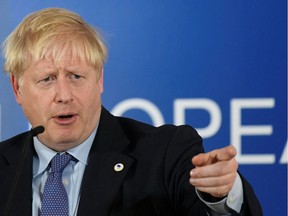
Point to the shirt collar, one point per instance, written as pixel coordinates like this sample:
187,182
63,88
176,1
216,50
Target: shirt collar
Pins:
46,154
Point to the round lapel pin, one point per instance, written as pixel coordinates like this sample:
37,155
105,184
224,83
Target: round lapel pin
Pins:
118,167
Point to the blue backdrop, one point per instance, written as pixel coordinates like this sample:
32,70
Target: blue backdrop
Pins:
218,65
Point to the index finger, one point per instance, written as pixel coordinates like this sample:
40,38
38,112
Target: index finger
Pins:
223,154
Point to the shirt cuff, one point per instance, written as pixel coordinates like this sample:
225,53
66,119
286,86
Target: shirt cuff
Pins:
233,200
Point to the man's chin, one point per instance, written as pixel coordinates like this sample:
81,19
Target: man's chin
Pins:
62,142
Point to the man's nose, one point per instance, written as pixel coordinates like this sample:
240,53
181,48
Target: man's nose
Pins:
63,91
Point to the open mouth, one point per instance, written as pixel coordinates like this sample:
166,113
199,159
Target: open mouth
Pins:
65,116
65,119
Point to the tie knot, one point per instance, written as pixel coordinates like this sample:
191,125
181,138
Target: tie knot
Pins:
59,162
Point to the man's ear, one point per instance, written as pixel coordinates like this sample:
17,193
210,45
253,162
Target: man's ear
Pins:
16,89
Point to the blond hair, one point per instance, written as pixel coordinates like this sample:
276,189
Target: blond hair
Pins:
51,33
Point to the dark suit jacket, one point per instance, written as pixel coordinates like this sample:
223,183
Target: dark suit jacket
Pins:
154,181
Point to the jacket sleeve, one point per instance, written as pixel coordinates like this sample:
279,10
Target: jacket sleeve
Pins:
183,146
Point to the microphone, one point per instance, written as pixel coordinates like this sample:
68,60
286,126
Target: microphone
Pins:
33,132
37,130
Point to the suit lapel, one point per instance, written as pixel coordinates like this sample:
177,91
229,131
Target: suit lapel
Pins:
101,183
102,180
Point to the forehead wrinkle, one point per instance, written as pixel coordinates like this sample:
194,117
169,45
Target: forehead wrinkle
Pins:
65,59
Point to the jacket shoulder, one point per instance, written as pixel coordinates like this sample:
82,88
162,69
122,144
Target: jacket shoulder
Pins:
136,127
13,141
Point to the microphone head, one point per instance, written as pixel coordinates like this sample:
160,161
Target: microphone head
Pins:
37,130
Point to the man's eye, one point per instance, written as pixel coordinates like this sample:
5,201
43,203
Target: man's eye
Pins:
47,79
75,76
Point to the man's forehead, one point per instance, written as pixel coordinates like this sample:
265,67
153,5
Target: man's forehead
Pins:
48,64
66,59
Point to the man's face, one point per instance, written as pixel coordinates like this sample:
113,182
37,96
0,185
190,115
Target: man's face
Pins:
64,97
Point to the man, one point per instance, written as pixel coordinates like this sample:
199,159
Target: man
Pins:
116,166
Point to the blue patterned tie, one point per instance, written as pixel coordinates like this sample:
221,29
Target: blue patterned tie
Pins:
54,199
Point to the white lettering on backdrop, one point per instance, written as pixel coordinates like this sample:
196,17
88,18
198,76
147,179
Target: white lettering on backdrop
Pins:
237,131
